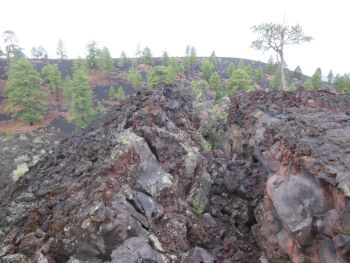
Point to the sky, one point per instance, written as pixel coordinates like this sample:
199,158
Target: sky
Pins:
220,25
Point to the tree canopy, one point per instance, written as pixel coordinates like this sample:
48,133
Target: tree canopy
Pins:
25,98
276,37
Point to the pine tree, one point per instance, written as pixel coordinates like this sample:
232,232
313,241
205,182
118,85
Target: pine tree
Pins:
330,77
249,70
230,69
53,79
213,59
259,73
135,77
61,50
24,96
297,73
105,62
120,93
308,84
317,79
190,58
276,80
122,60
111,93
241,64
342,83
215,83
81,106
93,53
146,56
100,109
207,69
161,75
165,58
240,80
134,63
271,66
199,87
276,37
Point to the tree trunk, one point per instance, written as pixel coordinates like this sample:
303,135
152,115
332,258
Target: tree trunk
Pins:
283,76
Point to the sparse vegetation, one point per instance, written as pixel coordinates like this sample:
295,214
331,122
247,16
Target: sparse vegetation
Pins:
197,208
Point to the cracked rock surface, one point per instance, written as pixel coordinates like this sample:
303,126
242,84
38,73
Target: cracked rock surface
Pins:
138,186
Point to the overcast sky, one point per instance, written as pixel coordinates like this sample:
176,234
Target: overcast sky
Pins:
220,25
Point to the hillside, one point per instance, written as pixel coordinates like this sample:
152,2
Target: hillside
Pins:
140,185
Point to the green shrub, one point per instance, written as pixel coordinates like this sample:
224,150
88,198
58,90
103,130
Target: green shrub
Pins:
161,75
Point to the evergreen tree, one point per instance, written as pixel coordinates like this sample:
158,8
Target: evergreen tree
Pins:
241,64
93,54
276,80
292,86
215,83
213,59
207,68
81,106
174,64
199,87
53,79
122,60
105,62
134,63
240,80
111,93
190,57
249,70
135,77
308,84
161,75
259,73
230,69
11,45
277,37
38,53
317,79
271,66
67,91
165,58
146,56
100,110
61,50
297,73
24,96
120,93
330,77
342,83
